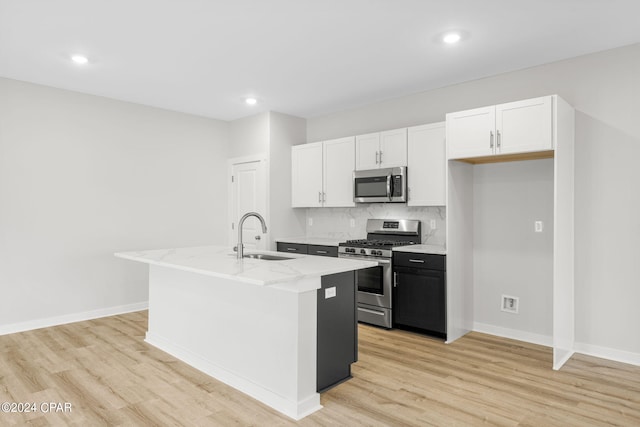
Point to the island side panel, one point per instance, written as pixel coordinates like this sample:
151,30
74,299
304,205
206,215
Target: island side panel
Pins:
258,339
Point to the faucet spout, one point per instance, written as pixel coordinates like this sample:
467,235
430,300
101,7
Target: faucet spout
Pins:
240,246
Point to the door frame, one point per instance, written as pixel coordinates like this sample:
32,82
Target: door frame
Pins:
232,230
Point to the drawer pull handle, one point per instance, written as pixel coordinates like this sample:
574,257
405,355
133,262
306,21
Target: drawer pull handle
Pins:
321,252
421,261
291,249
366,310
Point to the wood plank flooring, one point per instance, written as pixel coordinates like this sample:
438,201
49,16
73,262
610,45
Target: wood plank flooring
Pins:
112,377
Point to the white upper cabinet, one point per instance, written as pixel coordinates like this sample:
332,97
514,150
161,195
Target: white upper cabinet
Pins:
524,126
339,160
322,174
381,149
471,133
306,175
512,128
368,151
426,169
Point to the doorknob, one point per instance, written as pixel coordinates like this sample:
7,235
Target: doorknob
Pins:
258,237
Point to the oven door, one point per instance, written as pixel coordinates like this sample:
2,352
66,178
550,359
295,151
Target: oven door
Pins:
374,292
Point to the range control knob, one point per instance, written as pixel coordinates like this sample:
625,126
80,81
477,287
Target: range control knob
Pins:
363,251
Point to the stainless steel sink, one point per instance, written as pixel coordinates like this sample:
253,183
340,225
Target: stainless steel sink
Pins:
267,257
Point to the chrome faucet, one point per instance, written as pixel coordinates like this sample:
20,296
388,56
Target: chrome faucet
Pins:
240,247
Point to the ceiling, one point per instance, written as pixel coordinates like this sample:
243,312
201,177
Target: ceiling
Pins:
302,57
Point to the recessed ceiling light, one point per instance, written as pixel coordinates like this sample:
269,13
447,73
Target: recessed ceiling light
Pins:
79,59
451,38
251,101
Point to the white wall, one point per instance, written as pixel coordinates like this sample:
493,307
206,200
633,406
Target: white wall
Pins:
509,257
249,136
284,132
82,177
605,90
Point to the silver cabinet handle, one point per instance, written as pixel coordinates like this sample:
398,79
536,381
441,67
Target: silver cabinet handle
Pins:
319,196
395,279
321,252
377,154
491,139
292,249
324,197
498,139
380,156
419,261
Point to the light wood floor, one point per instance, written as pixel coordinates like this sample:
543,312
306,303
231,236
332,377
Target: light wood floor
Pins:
111,377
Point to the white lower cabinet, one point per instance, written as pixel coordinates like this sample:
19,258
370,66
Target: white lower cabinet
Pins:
426,169
322,174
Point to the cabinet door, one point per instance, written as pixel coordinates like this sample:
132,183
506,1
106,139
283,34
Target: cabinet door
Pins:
393,148
419,299
427,159
339,161
367,151
471,133
306,175
524,126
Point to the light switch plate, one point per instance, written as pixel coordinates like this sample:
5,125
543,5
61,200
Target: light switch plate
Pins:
352,222
310,221
432,224
538,226
330,292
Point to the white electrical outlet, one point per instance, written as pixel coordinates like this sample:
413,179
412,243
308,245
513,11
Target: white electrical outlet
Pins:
432,224
310,221
538,226
352,222
510,304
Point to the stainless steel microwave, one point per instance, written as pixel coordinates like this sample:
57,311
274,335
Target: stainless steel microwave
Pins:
380,185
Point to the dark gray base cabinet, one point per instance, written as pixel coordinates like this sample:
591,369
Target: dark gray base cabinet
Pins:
337,336
419,293
297,248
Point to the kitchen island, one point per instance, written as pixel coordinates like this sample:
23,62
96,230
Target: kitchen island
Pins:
250,323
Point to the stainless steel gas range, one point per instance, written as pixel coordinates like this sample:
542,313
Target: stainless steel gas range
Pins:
375,284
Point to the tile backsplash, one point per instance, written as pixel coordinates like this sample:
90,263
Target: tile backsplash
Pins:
336,222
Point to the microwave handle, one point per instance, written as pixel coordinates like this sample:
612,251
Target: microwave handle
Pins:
389,189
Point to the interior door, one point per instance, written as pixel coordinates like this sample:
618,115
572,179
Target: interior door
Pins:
248,194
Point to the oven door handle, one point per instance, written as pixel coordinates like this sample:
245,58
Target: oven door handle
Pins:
359,258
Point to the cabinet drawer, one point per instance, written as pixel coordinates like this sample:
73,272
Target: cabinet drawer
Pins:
295,248
419,260
321,250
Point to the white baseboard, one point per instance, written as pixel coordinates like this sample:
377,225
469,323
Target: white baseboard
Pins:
296,410
578,347
608,353
72,318
514,334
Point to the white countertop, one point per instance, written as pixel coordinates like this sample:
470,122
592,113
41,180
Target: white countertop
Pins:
220,261
422,249
323,241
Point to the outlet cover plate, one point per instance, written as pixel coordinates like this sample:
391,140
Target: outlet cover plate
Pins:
510,304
